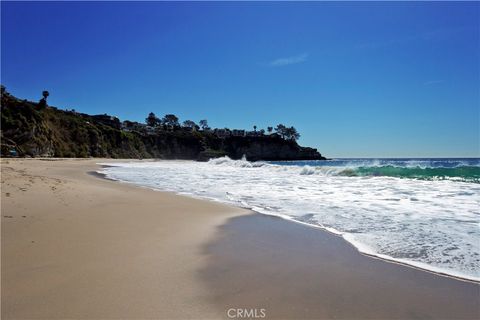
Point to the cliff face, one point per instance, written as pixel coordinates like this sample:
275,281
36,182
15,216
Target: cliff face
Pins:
54,133
267,148
48,132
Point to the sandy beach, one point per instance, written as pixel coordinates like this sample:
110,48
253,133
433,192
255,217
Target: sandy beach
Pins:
78,246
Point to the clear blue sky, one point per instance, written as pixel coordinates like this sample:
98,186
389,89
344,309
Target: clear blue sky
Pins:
356,79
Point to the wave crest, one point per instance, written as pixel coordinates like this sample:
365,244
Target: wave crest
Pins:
373,169
242,163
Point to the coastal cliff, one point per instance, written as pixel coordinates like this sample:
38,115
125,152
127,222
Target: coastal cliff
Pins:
36,130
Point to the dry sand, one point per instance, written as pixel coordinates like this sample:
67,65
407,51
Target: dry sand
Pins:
76,246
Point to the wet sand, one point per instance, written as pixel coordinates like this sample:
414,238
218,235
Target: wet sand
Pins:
294,271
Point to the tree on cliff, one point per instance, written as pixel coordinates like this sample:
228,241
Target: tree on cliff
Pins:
42,104
152,120
281,130
289,133
292,133
204,124
170,120
189,124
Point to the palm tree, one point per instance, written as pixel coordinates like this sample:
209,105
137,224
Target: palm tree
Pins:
255,128
42,104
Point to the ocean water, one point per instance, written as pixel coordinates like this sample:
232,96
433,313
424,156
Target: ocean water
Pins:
422,212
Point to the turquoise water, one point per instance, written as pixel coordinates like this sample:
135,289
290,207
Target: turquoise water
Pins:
455,169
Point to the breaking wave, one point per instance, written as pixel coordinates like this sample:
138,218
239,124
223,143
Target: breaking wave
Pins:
414,169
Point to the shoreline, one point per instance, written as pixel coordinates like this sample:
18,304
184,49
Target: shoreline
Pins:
410,264
295,271
371,255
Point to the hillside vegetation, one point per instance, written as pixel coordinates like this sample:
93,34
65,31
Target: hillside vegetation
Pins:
35,129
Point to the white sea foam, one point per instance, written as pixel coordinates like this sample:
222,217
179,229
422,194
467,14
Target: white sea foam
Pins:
428,224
